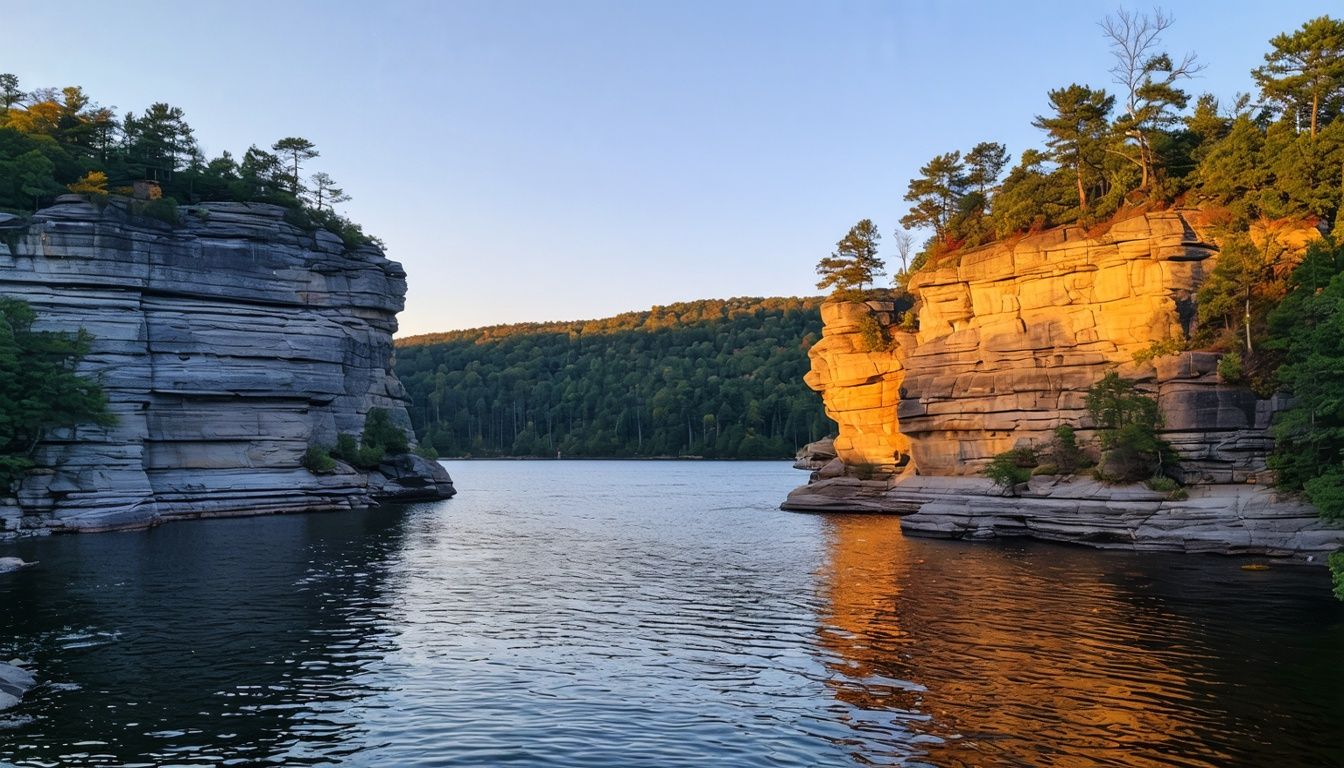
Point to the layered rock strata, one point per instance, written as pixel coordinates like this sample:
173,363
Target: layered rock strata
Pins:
227,345
1008,339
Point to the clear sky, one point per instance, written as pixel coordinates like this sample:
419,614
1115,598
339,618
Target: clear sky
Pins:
552,160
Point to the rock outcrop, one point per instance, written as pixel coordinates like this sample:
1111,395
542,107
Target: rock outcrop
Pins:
227,345
15,681
1008,339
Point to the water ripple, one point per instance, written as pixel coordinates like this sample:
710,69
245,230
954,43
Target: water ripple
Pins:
657,614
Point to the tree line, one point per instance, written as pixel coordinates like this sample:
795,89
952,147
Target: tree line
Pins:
713,378
54,141
1274,152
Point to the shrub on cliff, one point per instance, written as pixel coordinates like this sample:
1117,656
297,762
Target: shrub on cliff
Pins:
1063,455
318,460
380,432
381,438
1011,468
39,390
1128,420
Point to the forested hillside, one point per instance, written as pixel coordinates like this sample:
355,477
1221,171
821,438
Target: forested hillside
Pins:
714,378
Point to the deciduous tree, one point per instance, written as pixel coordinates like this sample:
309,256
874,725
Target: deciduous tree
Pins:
1147,77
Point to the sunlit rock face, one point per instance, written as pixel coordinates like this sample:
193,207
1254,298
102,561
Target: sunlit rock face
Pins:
1011,335
227,345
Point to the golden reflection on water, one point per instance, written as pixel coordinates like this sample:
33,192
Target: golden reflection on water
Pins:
983,660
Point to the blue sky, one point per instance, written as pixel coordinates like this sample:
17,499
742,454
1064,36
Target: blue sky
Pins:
555,160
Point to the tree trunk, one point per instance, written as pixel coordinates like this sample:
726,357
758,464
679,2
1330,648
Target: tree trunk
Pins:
1249,349
1082,194
1315,107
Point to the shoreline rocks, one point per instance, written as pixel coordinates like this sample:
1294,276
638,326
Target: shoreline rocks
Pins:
1228,519
15,681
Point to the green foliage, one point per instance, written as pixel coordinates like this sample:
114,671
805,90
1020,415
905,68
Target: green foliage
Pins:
427,450
1128,420
1011,468
716,378
1229,368
347,447
39,390
1160,348
1064,453
358,454
1162,484
381,438
380,432
855,263
872,336
1304,73
1098,164
1307,330
163,209
1337,573
318,461
53,141
1076,135
1326,492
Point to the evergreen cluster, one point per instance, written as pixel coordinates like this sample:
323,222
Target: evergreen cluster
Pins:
715,378
1146,144
56,141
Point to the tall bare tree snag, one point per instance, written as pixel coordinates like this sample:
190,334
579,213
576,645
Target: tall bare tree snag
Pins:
1147,76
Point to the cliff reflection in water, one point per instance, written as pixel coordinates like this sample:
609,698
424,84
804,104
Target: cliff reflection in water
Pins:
251,642
1011,655
653,615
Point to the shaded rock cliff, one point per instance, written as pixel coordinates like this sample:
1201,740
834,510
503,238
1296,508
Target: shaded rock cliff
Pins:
227,345
1008,340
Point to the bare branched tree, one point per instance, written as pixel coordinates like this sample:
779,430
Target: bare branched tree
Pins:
1147,76
904,242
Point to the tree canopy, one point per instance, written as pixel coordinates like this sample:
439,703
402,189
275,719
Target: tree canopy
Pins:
854,264
55,141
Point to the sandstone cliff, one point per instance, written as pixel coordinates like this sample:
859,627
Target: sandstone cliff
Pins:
1009,338
227,345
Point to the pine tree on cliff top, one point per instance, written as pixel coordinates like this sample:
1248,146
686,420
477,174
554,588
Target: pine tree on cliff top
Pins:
854,264
1304,74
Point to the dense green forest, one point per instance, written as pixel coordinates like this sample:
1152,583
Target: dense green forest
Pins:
54,141
715,378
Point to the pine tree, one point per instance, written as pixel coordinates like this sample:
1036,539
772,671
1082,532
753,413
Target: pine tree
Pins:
1147,77
1305,71
936,194
854,264
295,151
1077,133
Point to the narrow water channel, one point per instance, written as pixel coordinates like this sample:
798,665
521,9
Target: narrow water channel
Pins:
654,614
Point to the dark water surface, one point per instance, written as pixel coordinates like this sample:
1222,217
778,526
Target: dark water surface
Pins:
654,614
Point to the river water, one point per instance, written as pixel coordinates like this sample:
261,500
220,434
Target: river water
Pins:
654,614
